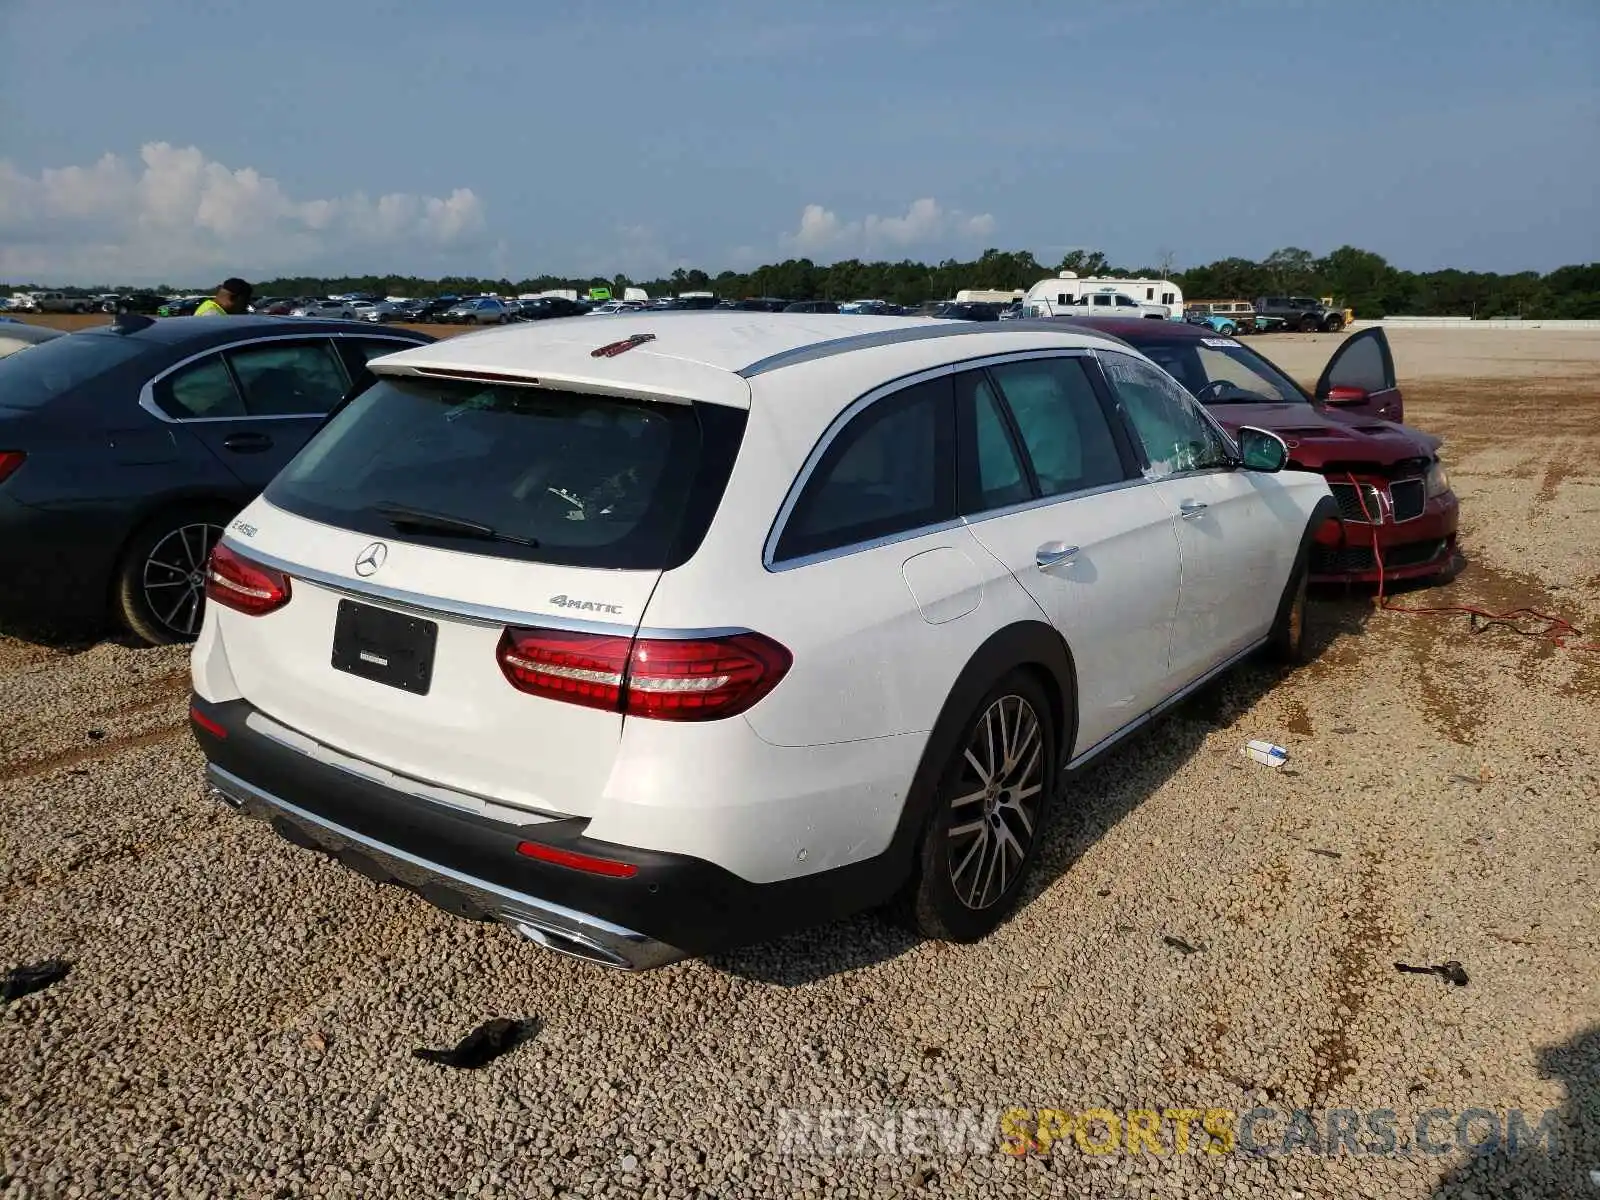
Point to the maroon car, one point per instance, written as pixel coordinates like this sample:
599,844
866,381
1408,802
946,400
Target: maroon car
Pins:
1393,494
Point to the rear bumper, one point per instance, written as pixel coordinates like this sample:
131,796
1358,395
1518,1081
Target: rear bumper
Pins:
1415,549
671,906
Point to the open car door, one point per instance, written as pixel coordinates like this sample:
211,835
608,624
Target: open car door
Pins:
1360,378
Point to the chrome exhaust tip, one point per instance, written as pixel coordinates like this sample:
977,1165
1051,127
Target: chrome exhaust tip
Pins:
570,944
232,802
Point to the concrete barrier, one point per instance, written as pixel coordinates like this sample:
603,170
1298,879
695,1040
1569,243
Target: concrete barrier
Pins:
1470,323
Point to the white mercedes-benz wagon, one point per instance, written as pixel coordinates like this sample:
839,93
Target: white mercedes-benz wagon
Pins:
681,631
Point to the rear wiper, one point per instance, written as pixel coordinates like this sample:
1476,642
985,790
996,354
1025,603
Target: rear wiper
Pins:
402,516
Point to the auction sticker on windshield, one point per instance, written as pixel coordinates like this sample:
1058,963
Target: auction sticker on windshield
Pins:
1219,342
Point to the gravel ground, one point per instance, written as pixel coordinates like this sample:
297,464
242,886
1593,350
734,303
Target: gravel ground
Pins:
240,1014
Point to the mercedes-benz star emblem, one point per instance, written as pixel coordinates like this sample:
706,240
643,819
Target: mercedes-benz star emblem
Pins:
371,559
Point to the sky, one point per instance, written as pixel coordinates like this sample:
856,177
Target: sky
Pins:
185,140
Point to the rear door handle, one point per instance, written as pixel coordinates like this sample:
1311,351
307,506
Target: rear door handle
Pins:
247,443
1054,554
1191,509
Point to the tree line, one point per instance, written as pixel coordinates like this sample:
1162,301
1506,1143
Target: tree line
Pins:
1358,279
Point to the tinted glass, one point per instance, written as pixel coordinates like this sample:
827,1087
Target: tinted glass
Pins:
992,475
300,379
1222,374
202,389
1165,419
1360,365
377,347
594,480
48,369
1062,426
887,472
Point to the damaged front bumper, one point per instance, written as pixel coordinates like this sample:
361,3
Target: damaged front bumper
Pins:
1387,531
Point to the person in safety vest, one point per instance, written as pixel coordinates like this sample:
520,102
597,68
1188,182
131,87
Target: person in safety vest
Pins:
232,297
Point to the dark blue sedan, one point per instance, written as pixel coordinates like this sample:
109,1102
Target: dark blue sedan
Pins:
125,450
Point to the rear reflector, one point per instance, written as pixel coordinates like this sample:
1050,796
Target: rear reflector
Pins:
244,585
666,679
578,862
206,723
10,460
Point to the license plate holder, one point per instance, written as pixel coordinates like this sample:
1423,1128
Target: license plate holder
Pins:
387,647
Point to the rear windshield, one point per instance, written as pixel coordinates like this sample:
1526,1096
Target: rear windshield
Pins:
33,377
560,477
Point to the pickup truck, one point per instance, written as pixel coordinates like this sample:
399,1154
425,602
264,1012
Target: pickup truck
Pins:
1302,313
1099,304
61,302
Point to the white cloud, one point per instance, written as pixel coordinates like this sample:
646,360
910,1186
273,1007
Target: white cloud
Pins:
176,215
925,224
821,229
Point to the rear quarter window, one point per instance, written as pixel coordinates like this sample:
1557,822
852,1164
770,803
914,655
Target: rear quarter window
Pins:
888,472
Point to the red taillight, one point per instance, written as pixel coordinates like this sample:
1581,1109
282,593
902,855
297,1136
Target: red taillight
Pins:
578,862
666,679
206,723
235,582
10,460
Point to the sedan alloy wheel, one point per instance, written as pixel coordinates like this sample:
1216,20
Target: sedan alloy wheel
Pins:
174,577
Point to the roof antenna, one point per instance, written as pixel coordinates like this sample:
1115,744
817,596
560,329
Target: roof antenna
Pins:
128,321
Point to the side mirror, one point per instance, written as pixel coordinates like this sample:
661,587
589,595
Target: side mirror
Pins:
1347,395
1262,450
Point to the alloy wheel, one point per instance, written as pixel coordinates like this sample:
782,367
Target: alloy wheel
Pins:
996,801
174,578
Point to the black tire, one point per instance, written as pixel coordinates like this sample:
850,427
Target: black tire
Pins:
1287,642
1309,324
1335,323
986,815
159,595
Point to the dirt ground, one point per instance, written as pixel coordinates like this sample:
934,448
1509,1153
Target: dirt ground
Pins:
240,1014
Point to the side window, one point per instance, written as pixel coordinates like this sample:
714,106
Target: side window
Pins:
1165,418
992,475
202,389
1063,428
372,348
288,379
1360,364
889,471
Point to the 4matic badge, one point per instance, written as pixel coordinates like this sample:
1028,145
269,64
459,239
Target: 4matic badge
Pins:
585,605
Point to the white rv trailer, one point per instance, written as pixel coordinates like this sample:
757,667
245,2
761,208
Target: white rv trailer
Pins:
1067,288
982,296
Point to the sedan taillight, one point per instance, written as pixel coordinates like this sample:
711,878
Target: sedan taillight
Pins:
666,679
246,586
10,460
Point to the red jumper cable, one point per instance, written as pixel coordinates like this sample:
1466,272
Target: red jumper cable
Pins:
1557,629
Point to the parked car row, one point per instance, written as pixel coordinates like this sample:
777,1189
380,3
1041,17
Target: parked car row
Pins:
1269,314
